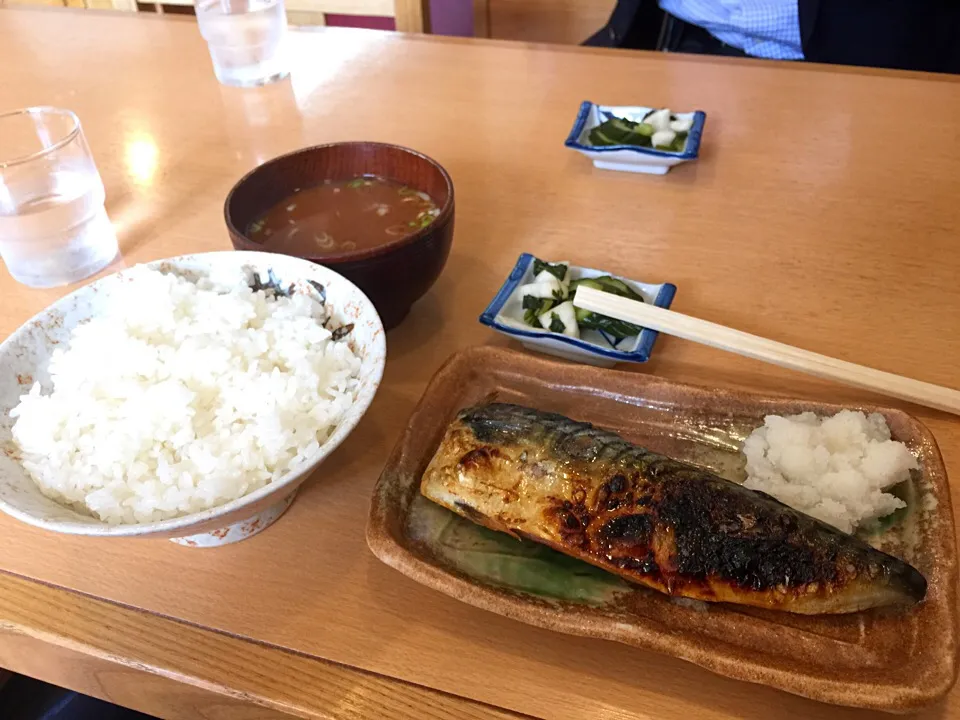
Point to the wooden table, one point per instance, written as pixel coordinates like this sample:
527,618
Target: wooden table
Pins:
815,216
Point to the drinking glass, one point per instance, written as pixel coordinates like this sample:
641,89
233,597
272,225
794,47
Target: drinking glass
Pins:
54,229
245,38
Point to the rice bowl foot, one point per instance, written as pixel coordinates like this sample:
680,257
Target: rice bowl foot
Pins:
239,530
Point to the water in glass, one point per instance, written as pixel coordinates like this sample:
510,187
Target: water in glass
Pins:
54,229
245,38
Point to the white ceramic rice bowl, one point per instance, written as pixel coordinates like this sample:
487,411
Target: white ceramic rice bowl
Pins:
25,354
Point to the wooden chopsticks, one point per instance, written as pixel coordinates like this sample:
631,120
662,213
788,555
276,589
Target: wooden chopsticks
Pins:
771,351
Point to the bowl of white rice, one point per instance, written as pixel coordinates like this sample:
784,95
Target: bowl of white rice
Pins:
186,398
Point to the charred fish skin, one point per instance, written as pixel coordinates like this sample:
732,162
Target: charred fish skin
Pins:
655,521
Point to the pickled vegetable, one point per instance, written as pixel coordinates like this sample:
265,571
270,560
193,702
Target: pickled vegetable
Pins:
548,303
659,129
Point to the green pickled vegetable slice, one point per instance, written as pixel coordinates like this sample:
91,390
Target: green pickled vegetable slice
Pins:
645,129
534,307
600,139
618,128
586,282
618,287
558,270
616,329
530,302
606,283
620,131
679,142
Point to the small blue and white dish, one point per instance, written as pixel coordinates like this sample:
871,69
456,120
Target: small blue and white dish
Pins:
630,158
505,314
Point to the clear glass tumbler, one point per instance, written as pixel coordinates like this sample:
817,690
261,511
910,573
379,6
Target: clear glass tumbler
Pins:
54,229
245,38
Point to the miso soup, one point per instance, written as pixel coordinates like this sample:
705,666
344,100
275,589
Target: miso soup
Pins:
342,215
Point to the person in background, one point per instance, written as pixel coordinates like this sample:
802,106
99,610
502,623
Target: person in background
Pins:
903,34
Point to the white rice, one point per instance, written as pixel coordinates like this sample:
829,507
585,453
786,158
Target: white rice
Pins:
834,469
183,396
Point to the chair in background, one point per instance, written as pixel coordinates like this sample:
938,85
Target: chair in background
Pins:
409,15
566,22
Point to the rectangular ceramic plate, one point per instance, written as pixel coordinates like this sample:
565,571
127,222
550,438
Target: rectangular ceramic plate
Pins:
894,660
505,314
630,158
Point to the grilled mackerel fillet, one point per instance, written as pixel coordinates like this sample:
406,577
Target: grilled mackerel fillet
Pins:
657,522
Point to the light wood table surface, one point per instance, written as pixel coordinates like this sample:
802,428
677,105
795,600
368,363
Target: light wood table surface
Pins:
817,215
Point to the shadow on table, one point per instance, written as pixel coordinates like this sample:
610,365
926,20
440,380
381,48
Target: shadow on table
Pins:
23,698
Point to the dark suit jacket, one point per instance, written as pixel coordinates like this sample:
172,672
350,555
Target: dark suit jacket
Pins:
905,34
